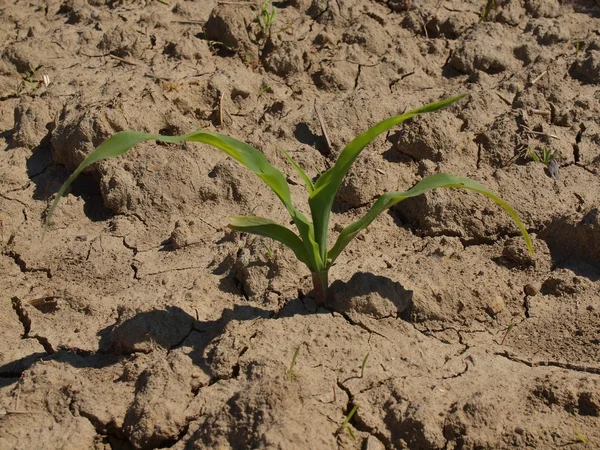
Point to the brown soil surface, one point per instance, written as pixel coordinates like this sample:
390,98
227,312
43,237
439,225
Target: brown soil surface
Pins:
138,320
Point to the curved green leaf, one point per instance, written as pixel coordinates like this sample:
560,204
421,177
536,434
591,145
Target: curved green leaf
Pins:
295,165
440,180
326,187
268,228
247,155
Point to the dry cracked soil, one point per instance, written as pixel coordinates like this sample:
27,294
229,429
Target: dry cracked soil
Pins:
138,320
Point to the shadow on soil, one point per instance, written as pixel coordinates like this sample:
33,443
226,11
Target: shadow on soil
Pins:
574,243
172,327
49,177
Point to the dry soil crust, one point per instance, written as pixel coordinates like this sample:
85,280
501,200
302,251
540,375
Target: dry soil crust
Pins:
139,321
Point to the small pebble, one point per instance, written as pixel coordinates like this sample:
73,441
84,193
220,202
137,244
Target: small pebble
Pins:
374,444
496,306
532,289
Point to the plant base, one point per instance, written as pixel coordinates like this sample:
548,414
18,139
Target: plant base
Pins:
321,286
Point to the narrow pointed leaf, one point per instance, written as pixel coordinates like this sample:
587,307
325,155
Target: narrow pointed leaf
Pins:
270,229
326,187
440,180
247,155
295,165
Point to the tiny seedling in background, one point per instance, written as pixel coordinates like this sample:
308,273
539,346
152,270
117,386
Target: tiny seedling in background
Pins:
270,253
266,17
544,157
580,436
489,5
548,158
265,89
290,371
506,331
310,245
213,46
362,366
346,424
31,80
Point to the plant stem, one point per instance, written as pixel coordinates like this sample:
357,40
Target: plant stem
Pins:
321,286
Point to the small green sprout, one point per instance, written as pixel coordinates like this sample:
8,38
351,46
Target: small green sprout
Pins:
293,363
266,17
506,331
580,436
346,424
270,253
545,157
310,245
489,5
31,78
362,366
548,159
214,46
265,89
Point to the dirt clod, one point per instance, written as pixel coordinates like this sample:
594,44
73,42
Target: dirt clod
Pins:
532,289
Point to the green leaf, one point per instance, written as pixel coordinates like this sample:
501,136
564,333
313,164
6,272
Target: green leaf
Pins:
247,155
270,229
326,187
440,180
534,156
307,181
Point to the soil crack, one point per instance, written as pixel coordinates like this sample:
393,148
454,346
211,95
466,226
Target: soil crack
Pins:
355,323
457,374
25,320
6,197
359,424
549,363
18,260
103,429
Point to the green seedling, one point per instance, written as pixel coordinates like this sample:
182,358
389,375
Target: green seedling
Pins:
544,157
547,158
346,424
310,245
265,89
214,46
266,17
506,331
270,253
362,366
580,436
293,363
30,79
489,5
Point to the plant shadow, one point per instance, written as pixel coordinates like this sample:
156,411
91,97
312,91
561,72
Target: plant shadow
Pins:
48,178
170,328
371,295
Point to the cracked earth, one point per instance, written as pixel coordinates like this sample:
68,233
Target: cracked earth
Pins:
137,320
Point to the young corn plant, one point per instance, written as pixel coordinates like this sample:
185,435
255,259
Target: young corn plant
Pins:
266,17
545,157
310,243
548,158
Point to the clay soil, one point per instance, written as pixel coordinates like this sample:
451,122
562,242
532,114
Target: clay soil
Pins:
138,320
